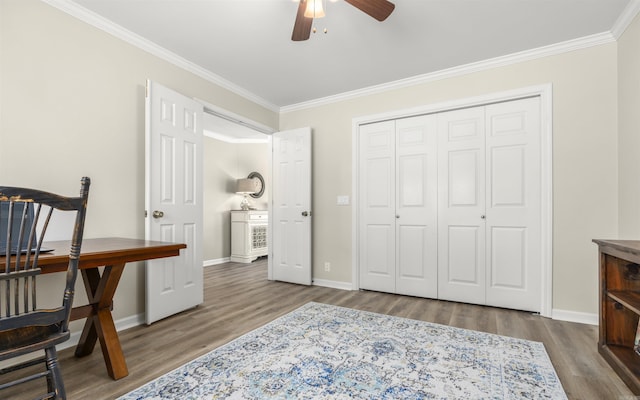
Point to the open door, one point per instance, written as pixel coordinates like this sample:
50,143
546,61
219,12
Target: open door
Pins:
173,200
290,219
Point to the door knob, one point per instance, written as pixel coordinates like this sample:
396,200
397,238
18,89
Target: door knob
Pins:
306,213
158,214
483,217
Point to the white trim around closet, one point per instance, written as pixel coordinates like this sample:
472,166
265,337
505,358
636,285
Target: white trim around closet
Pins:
546,106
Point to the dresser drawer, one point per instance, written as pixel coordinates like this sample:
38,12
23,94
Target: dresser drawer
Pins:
258,217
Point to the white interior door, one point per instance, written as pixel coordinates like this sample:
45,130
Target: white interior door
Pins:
417,206
377,208
461,205
493,211
290,219
398,206
490,241
514,262
173,200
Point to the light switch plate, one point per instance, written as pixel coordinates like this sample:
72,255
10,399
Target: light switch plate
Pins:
343,200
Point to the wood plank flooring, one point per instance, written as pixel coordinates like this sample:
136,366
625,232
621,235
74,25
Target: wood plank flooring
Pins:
239,298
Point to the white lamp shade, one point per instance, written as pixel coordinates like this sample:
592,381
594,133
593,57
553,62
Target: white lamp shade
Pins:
245,186
314,9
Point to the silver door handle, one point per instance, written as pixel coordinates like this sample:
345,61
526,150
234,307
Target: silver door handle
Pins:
158,214
306,213
483,217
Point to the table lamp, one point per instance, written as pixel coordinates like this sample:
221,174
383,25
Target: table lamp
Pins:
244,187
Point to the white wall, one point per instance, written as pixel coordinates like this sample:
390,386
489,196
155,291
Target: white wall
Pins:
67,88
73,96
585,199
629,131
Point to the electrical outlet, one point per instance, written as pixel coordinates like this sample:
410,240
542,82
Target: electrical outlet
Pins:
327,266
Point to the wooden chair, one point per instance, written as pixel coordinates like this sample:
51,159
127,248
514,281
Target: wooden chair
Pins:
25,328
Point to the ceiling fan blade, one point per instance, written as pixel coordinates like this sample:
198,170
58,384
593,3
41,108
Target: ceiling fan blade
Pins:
302,26
378,9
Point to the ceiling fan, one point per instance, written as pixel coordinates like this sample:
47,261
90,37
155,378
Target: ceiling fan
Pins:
378,9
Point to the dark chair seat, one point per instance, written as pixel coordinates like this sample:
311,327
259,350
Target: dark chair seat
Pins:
28,339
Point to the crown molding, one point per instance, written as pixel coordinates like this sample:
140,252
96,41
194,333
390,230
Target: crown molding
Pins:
228,139
118,31
626,18
540,52
83,14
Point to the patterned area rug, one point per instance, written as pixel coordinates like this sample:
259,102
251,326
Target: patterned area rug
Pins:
325,352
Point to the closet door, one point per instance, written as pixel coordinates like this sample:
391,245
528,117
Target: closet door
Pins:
398,211
377,230
461,206
416,206
450,205
514,261
489,205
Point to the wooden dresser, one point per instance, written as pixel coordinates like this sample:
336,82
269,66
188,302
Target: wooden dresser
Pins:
620,308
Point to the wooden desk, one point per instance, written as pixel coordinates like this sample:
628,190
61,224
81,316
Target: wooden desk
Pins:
112,254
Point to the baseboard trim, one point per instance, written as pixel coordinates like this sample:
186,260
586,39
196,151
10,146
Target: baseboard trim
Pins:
215,261
575,316
332,284
121,324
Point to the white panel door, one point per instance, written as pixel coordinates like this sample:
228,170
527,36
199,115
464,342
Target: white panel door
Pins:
398,206
173,200
416,206
377,230
461,205
514,263
291,209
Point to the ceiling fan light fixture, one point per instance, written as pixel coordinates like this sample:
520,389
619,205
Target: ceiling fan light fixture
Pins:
310,9
315,9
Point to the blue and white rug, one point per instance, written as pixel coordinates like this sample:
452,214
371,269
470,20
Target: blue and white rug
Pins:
326,352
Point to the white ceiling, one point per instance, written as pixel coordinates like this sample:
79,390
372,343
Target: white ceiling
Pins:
248,42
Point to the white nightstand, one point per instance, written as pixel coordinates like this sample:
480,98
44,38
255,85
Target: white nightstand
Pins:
248,235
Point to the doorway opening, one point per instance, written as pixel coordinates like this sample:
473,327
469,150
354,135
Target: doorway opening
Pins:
233,149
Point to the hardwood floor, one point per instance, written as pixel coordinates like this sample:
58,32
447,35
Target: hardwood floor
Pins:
239,298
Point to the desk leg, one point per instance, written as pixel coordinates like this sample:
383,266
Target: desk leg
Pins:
89,337
100,325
